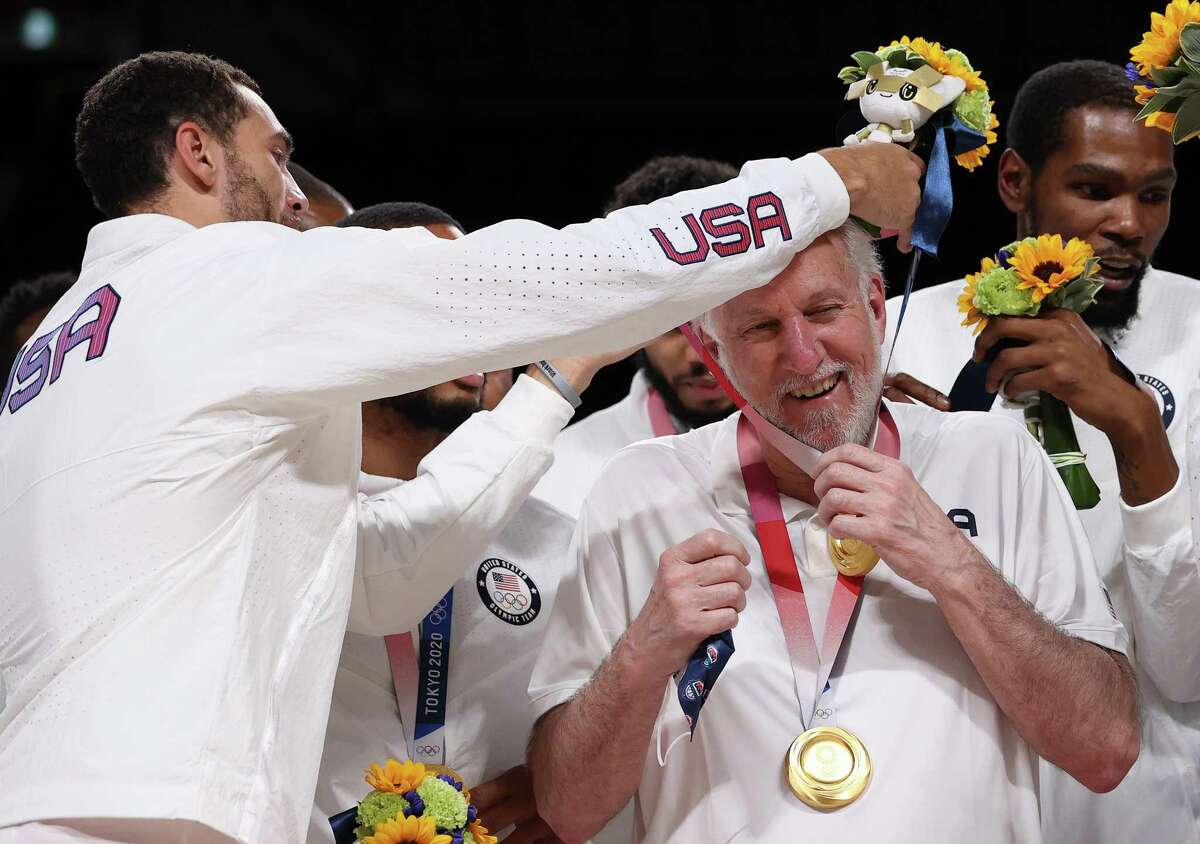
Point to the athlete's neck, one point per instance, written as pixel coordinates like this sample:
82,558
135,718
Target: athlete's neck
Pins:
393,446
791,480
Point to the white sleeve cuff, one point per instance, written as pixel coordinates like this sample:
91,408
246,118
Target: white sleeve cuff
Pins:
827,189
1149,526
533,412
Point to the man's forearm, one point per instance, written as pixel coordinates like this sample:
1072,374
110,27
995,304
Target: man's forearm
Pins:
1074,702
1146,466
586,755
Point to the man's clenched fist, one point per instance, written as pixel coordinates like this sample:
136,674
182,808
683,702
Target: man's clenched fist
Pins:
698,592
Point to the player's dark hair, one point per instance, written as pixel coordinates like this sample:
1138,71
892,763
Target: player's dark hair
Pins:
666,175
21,301
399,215
126,128
1035,127
317,189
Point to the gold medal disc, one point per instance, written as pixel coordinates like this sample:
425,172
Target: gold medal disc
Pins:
828,767
851,557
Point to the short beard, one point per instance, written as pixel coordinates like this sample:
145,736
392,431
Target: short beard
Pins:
424,411
658,382
827,429
245,198
1112,310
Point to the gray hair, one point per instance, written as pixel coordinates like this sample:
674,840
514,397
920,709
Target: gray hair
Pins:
860,253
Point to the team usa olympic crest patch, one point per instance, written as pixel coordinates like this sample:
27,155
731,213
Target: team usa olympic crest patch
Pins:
507,591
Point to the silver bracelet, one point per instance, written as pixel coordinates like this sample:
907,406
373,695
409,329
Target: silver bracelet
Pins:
568,392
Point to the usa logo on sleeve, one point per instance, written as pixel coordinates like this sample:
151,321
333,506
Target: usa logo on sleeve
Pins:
507,591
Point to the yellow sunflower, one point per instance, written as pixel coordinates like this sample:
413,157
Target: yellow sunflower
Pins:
966,300
973,158
947,65
1162,120
1160,46
1046,264
395,777
1143,93
480,833
407,831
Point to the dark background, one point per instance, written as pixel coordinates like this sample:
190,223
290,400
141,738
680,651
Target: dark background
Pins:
497,110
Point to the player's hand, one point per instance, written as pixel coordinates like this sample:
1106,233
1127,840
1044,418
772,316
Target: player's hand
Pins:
875,499
507,801
1065,358
698,592
901,386
883,183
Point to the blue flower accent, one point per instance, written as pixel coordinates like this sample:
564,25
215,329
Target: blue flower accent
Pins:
456,838
416,806
472,813
449,780
1002,257
1131,73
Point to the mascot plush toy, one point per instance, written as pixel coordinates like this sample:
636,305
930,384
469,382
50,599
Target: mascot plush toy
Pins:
902,86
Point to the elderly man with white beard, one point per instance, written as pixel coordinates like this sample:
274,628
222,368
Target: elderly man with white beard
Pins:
907,705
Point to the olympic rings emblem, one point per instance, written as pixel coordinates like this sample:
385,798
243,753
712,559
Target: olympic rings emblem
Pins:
427,749
824,713
437,615
508,592
510,600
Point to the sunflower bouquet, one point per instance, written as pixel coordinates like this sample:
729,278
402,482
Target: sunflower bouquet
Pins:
412,804
1020,280
1165,71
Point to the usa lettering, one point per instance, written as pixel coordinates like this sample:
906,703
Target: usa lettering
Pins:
41,362
726,230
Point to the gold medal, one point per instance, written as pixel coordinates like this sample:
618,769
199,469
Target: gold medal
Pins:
851,557
828,767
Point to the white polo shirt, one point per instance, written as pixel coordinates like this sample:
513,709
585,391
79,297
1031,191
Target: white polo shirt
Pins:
492,650
1147,555
583,448
178,502
949,767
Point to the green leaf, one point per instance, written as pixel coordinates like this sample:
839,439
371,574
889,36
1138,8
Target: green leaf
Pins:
1188,85
1189,41
850,74
1164,76
1159,102
1187,120
865,59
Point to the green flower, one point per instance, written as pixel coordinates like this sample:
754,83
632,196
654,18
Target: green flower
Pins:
443,802
375,808
973,109
997,294
468,838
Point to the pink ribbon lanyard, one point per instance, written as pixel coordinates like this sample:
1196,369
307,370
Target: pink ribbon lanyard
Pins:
786,585
660,418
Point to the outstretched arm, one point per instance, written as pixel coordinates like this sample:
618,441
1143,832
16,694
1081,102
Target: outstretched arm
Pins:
350,315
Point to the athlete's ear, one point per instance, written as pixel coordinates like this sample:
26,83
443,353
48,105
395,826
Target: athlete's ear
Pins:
709,343
198,155
877,303
1014,181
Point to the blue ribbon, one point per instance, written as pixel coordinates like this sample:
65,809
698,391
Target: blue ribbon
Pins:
701,673
343,824
950,137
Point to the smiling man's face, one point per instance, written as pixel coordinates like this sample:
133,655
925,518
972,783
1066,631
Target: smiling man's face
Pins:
1109,183
804,349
